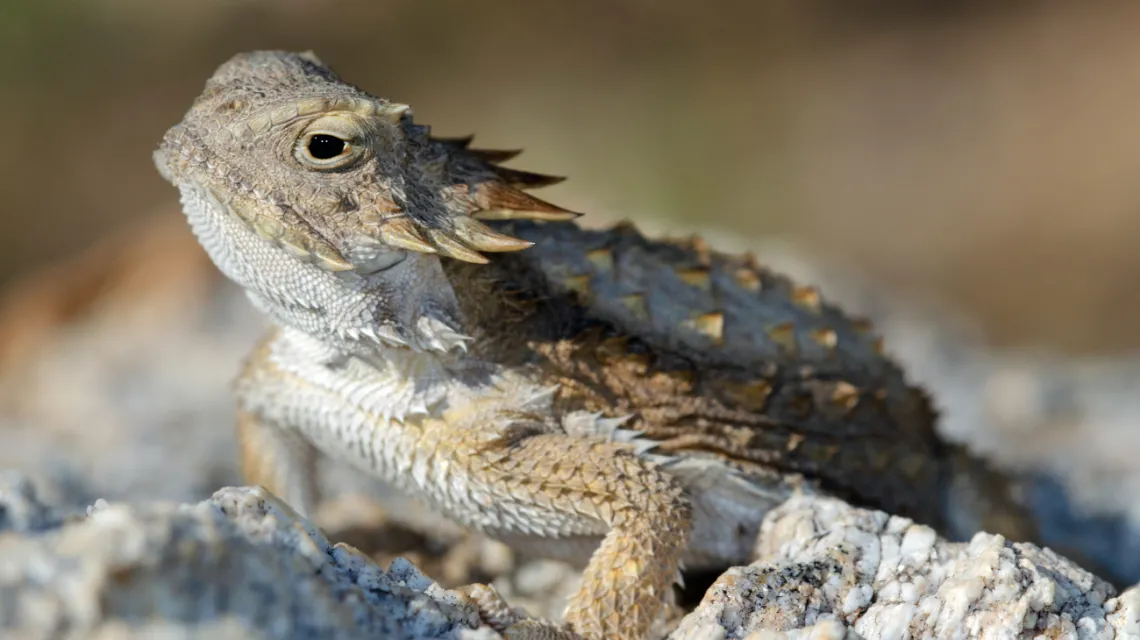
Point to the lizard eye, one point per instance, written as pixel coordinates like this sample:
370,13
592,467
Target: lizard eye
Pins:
321,150
325,147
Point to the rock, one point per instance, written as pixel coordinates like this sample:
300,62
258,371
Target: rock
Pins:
828,570
239,565
115,370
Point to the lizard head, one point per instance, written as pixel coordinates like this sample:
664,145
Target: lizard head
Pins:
314,195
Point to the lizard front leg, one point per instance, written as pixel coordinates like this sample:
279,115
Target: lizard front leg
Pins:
272,455
487,472
278,460
646,515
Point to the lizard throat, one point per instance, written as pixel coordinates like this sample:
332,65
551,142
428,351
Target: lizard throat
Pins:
409,306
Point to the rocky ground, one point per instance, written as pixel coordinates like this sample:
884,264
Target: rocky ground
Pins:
114,369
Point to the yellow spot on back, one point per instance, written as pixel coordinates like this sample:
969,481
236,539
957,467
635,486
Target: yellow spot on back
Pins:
602,259
825,338
698,277
845,394
783,334
862,326
794,441
710,325
807,298
635,304
750,396
579,284
748,279
613,347
701,248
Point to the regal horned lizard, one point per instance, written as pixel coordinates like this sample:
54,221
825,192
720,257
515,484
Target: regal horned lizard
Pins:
631,404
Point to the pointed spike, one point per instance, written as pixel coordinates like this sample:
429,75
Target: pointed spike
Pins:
309,106
402,233
624,227
614,347
284,113
461,142
329,259
479,236
366,107
627,435
794,442
783,334
602,259
698,277
709,324
751,396
311,57
635,303
526,179
296,245
699,244
244,210
579,284
448,246
808,298
611,424
268,228
748,279
642,447
825,338
515,214
845,394
259,123
393,112
499,196
495,156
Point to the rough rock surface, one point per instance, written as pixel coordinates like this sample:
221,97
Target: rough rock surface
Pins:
827,570
243,565
239,565
114,383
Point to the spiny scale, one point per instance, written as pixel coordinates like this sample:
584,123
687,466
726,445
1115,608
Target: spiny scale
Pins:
685,291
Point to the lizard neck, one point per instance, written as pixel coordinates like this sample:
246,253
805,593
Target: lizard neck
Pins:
508,307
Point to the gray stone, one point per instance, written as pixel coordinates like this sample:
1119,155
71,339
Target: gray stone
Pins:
826,569
239,565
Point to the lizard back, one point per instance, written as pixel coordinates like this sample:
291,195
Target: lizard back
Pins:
713,355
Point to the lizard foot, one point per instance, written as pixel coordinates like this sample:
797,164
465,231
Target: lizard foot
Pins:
512,624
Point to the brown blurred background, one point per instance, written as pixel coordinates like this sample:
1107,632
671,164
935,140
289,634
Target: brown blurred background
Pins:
990,155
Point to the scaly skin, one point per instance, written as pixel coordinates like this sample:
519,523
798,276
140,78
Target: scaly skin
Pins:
634,405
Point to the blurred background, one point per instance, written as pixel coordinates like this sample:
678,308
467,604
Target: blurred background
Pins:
986,152
966,172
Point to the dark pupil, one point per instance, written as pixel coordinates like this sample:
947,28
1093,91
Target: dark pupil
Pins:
324,147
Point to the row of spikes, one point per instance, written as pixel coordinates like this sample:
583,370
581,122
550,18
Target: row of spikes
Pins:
467,236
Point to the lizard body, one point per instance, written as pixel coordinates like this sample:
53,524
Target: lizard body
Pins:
635,405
